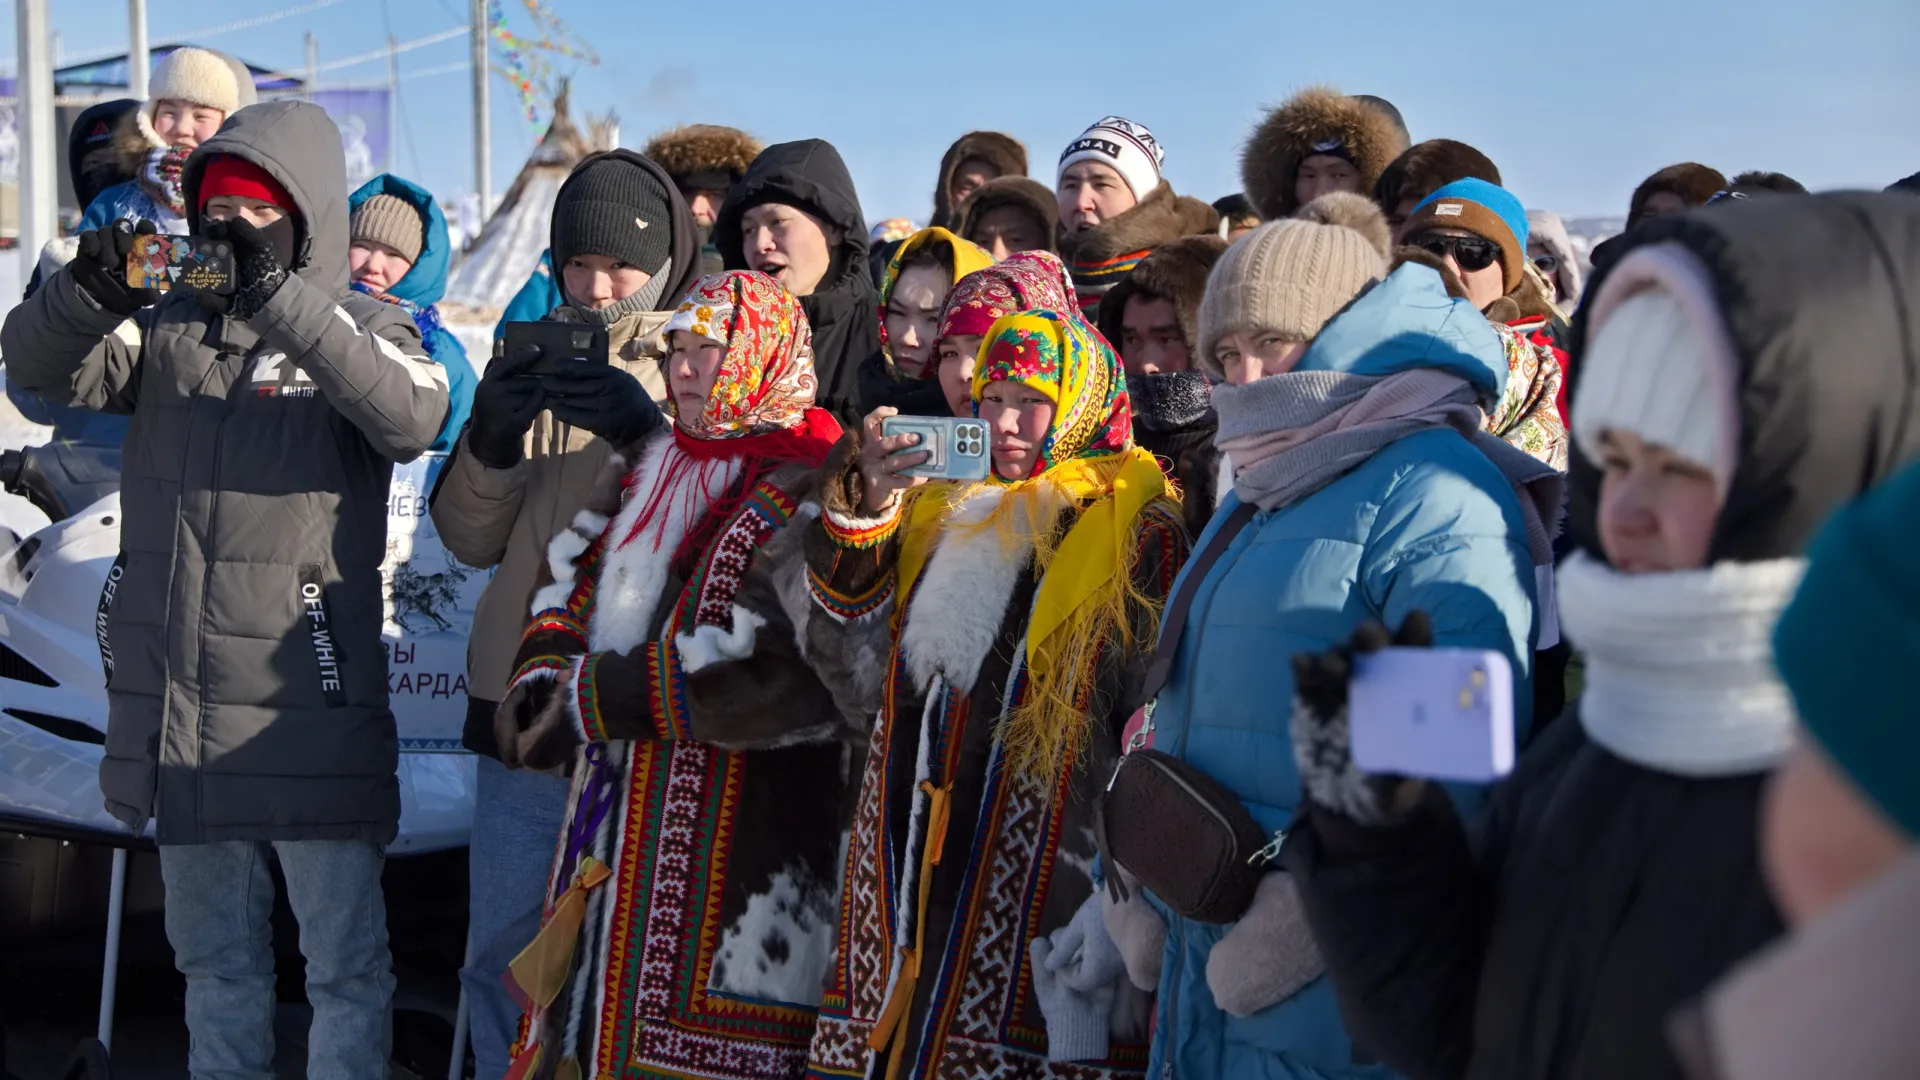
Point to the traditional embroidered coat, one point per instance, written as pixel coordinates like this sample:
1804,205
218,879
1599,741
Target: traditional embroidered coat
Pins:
704,953
955,864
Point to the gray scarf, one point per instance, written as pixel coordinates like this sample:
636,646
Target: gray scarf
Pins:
1290,435
647,299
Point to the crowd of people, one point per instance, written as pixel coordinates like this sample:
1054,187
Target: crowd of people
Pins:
796,762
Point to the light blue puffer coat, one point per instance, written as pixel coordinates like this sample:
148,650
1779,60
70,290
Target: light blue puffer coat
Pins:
1427,522
422,288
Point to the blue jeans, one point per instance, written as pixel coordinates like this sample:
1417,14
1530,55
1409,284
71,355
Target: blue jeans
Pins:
516,822
219,902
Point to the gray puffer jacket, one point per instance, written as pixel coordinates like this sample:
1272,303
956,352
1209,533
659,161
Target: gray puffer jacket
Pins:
246,682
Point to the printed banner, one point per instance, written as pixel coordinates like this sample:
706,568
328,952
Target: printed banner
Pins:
429,600
361,116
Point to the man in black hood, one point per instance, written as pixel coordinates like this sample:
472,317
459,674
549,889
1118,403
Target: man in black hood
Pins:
796,218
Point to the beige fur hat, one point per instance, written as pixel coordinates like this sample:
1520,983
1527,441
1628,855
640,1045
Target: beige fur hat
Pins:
201,77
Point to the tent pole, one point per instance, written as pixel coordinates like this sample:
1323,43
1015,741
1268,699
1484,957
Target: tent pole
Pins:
138,62
482,134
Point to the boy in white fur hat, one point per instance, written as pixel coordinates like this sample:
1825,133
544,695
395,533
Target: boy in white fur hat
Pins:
191,93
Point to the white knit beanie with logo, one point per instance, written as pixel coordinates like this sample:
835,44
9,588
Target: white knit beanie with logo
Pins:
1126,147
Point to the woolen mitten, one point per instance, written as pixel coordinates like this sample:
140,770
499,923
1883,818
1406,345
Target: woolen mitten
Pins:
504,405
1084,954
99,267
1077,1023
1138,932
1322,746
257,270
1268,955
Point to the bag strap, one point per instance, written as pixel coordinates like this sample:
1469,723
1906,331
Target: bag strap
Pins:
1160,668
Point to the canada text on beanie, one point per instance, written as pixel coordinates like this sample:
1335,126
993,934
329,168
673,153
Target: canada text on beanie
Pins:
1124,146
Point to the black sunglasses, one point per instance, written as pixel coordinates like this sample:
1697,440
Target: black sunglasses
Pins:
1546,264
1471,253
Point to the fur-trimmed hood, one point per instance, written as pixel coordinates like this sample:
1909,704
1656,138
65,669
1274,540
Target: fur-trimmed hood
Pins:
693,149
1025,192
133,138
1160,217
1176,271
1004,152
1692,181
1270,162
1426,167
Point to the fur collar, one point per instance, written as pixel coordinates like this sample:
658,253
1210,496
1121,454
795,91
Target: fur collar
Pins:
961,598
133,139
1176,271
1156,219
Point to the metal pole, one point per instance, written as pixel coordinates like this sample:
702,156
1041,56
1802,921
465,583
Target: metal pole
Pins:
137,59
34,120
393,104
482,134
110,973
313,63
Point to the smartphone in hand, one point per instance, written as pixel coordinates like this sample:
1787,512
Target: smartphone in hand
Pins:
162,262
1438,714
560,344
956,446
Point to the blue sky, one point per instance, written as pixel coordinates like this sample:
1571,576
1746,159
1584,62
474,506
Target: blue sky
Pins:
1575,101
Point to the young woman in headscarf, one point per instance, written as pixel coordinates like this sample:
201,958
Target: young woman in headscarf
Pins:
690,916
913,291
1026,281
993,628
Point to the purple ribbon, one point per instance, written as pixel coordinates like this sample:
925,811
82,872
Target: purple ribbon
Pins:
596,799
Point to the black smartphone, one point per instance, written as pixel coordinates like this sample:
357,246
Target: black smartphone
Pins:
560,344
164,262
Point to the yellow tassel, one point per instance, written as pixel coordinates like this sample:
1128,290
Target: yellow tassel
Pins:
541,968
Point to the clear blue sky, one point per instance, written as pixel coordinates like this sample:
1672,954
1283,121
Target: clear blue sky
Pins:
1575,101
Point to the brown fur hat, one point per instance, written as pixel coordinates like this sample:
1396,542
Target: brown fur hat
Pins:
1006,154
1425,168
1176,271
695,155
1270,162
1690,180
1024,192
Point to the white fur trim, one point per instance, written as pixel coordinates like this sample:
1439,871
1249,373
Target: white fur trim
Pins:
570,697
799,914
1680,671
633,576
854,522
709,644
536,675
961,598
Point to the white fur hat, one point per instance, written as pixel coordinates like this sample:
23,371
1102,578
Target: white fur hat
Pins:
201,77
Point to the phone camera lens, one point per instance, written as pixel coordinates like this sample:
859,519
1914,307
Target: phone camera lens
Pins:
582,340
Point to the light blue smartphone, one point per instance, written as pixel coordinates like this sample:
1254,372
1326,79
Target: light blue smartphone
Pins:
956,446
1439,714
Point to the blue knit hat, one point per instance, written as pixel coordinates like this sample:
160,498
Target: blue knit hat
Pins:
1483,209
1848,646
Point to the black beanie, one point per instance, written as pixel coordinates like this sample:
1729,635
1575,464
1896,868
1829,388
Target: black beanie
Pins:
614,208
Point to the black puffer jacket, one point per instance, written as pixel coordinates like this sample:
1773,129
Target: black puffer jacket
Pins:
1603,894
810,175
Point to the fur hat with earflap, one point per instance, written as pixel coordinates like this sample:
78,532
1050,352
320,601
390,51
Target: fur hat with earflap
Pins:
704,157
195,76
1290,277
1315,121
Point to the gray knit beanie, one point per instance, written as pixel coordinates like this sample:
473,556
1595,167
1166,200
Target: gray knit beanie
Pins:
1291,276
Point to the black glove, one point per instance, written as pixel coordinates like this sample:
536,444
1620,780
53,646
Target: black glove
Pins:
504,405
603,399
100,267
1322,740
257,272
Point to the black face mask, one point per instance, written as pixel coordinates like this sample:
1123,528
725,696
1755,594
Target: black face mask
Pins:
1170,401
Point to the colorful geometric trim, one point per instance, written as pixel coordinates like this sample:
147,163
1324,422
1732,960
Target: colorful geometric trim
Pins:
847,608
667,691
555,665
586,690
560,621
860,532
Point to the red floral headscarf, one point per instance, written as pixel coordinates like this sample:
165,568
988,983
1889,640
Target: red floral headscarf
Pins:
766,381
1028,281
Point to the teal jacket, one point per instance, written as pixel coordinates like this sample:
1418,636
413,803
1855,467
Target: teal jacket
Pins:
422,288
537,299
1427,522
